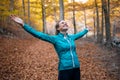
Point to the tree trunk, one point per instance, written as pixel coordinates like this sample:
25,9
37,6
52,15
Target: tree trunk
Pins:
11,5
108,3
74,22
5,20
43,16
23,6
61,9
114,29
85,19
29,12
94,18
98,27
107,22
54,9
102,25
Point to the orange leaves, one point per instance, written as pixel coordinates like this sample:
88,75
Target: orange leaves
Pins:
33,59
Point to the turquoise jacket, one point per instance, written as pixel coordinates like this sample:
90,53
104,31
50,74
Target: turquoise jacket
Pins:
64,46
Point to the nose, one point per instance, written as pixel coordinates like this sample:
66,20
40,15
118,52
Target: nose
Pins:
64,23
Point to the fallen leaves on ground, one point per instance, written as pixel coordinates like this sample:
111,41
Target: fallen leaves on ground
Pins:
33,59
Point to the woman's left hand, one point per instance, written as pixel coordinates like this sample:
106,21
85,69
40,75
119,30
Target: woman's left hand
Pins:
89,28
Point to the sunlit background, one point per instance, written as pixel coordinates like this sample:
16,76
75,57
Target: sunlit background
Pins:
83,1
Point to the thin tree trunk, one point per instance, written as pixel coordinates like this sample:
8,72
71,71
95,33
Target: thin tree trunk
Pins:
108,3
61,9
94,18
43,16
114,29
11,9
54,9
74,22
85,19
102,25
23,6
29,12
98,28
107,22
11,5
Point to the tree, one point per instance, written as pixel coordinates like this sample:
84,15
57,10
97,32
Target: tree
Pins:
11,5
23,6
54,9
61,9
102,24
114,29
29,12
98,27
94,23
43,15
107,20
74,21
85,20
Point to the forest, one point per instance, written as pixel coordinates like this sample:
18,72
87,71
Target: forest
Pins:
24,57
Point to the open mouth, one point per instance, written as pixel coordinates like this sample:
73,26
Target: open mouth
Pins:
65,25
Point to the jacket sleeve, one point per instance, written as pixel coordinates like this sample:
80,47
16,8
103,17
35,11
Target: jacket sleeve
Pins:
79,34
39,34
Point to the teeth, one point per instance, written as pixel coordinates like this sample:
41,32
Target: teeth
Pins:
65,26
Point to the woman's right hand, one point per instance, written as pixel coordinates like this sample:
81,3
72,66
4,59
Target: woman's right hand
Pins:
17,20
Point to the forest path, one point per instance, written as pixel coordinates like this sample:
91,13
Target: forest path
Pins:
96,62
33,59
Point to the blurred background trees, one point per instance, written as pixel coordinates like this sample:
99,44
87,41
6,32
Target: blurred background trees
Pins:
102,15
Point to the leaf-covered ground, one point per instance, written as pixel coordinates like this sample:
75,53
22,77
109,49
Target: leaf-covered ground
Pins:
33,59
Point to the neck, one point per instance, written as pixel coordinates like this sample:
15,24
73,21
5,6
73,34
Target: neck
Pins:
63,32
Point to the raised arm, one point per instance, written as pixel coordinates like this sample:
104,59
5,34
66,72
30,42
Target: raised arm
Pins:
80,34
32,31
39,34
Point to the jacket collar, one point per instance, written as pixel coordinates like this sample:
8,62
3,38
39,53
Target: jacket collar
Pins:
62,35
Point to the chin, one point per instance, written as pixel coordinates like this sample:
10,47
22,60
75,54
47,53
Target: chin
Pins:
65,29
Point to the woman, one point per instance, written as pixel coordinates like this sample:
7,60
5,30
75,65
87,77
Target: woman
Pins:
64,44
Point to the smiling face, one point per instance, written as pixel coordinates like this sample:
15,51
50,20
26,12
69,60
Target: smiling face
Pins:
63,26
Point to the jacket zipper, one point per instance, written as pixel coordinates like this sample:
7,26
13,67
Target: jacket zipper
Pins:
71,52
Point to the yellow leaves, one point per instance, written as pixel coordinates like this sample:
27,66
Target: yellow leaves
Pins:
5,8
52,9
3,2
116,9
2,8
7,13
4,5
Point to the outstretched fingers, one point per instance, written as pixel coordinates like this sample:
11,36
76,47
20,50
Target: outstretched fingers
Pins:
12,17
17,19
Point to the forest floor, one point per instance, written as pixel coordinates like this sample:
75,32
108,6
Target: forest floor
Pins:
33,59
